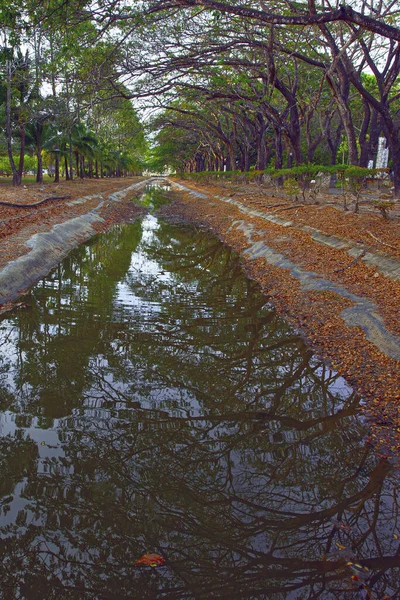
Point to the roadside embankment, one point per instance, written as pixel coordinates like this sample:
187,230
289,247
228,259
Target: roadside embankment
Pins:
33,242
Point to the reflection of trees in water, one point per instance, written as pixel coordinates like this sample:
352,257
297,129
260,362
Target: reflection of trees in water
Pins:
230,517
203,431
62,329
18,459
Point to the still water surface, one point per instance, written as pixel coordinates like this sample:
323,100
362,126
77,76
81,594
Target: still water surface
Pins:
151,401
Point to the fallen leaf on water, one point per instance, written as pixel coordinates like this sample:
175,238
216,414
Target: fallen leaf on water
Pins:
340,546
150,560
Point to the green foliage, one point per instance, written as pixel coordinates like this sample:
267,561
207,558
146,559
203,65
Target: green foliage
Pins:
297,179
300,172
5,168
291,187
384,207
354,173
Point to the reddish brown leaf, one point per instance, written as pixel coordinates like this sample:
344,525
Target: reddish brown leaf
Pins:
150,560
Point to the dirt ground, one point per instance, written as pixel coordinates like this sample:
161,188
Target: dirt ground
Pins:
315,314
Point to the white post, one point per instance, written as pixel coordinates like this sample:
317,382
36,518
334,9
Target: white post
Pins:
382,154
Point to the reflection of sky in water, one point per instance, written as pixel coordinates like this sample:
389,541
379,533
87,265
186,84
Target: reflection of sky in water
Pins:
141,269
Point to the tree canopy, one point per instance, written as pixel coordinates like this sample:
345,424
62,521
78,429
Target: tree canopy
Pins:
222,85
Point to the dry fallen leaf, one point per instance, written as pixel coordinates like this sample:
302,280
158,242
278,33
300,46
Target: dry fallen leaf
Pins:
150,560
340,546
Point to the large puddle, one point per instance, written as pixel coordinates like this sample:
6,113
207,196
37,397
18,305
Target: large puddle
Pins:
153,402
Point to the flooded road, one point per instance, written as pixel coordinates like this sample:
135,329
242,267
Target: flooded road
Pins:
151,401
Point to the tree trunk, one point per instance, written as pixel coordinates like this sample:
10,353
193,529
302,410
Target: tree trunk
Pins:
246,158
396,169
39,174
350,134
57,168
261,162
71,160
312,145
278,154
230,158
374,132
21,153
16,180
333,141
261,144
67,175
363,136
278,149
340,92
393,139
295,133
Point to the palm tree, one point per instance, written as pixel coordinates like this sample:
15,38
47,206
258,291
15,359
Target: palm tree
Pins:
84,144
20,93
40,136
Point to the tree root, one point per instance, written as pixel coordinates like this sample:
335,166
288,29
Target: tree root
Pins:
292,207
380,241
17,205
353,262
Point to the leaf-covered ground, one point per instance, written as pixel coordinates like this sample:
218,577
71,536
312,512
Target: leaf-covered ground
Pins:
17,224
316,314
